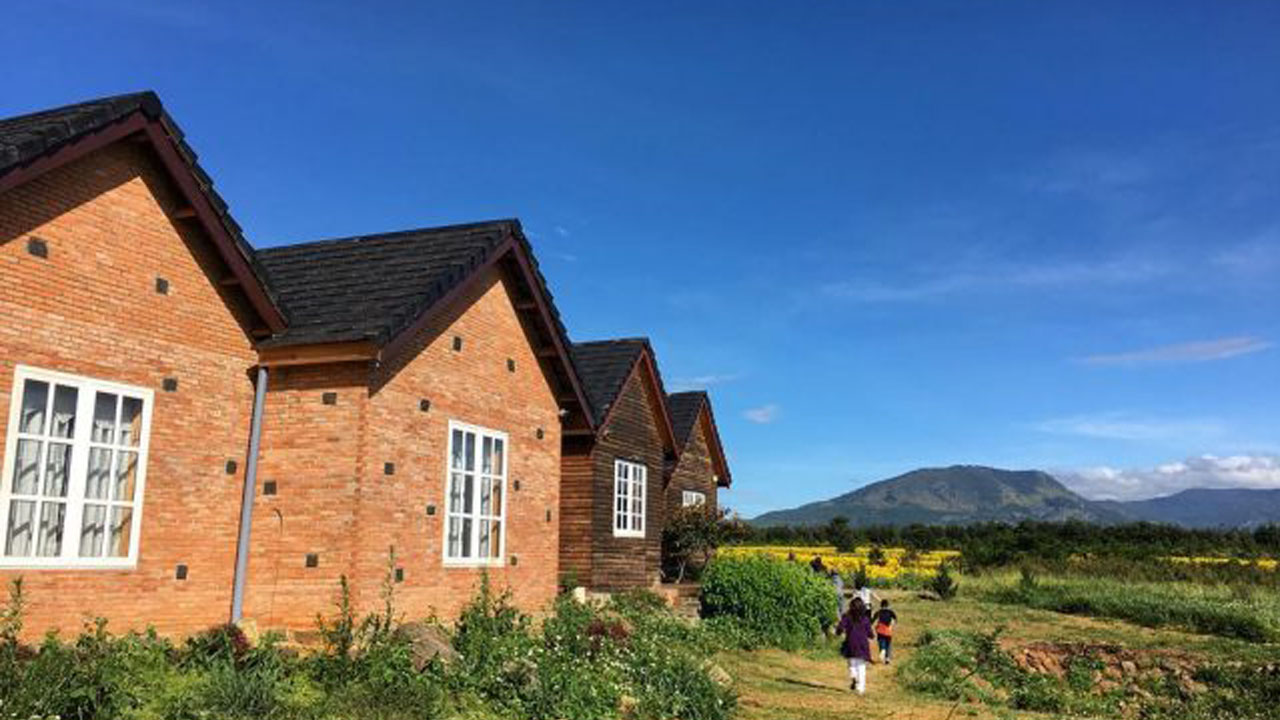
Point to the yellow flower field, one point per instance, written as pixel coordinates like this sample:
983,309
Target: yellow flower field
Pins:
1261,563
898,562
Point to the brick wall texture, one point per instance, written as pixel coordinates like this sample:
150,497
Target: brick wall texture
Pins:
91,308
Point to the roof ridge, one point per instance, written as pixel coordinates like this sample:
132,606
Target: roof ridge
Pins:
619,341
148,100
355,239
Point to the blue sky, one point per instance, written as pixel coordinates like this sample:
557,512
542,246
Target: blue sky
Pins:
883,234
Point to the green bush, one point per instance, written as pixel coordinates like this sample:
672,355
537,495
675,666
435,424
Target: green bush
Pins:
942,584
777,602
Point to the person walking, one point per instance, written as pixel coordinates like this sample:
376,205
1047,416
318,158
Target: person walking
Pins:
885,622
855,625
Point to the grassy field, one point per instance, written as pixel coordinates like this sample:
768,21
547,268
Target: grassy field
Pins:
775,685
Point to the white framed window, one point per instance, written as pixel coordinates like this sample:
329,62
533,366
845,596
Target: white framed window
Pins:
629,483
691,498
75,464
475,496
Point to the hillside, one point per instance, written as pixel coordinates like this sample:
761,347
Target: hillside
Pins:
956,495
1207,508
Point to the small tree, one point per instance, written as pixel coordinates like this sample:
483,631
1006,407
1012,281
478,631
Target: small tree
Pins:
690,538
840,534
942,584
876,556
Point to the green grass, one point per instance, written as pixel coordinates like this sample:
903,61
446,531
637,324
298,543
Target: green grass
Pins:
1217,611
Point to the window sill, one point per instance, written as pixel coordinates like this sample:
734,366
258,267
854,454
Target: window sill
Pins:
473,564
7,563
629,534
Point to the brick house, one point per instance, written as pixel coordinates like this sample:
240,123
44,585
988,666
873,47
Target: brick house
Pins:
612,492
406,392
700,468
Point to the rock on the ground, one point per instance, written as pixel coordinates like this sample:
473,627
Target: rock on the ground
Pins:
427,642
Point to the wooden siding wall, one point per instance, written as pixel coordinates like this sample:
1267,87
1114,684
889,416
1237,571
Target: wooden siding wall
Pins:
631,434
695,471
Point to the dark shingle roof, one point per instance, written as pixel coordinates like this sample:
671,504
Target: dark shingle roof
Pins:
684,408
603,367
27,138
372,287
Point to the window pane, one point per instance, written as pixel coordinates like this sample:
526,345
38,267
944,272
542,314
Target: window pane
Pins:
466,538
104,418
93,530
130,421
126,476
456,448
486,496
455,537
469,455
35,396
99,477
486,456
468,494
57,470
484,539
50,535
497,457
26,468
497,497
121,530
22,515
495,539
455,493
64,412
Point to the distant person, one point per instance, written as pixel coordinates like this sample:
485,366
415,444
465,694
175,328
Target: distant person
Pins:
885,622
863,593
791,557
817,566
837,582
856,647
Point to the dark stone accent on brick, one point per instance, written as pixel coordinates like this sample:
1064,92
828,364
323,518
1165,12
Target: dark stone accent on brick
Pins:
431,509
181,572
231,467
313,560
162,286
269,487
37,247
511,365
457,343
399,574
540,433
329,398
170,384
389,468
424,405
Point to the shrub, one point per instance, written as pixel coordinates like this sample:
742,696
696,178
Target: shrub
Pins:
777,602
876,556
690,537
942,584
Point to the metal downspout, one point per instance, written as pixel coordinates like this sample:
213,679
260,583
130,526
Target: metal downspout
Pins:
246,500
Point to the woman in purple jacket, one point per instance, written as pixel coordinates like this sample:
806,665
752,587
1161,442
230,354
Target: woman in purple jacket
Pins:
856,627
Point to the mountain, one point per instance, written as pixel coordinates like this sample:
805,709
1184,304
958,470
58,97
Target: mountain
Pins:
1206,508
956,495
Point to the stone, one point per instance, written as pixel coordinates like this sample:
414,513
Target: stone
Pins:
427,642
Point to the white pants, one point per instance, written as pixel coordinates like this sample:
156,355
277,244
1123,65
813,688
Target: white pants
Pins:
858,674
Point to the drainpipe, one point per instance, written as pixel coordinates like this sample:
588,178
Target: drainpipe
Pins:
246,500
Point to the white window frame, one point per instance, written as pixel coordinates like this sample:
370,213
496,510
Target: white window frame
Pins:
86,389
624,504
472,562
692,498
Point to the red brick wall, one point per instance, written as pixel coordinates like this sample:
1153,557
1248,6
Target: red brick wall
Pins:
695,470
91,309
336,498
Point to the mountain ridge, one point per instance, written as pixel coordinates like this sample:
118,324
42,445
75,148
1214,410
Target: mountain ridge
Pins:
968,494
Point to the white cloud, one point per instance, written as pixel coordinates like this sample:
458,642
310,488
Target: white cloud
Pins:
1122,426
562,231
701,382
763,415
1192,352
1204,471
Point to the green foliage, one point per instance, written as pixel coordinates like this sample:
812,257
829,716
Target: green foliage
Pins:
1196,610
690,537
839,534
876,556
859,578
942,584
777,602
